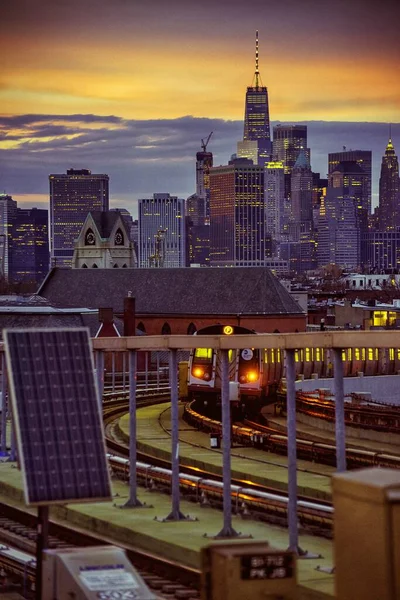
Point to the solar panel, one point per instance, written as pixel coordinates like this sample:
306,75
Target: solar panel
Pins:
59,429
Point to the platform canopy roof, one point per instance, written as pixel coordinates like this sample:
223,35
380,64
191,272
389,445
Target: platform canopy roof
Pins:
206,291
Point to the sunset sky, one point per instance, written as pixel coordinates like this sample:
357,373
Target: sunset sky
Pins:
106,84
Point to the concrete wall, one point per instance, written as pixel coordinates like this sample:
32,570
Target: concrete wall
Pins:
383,388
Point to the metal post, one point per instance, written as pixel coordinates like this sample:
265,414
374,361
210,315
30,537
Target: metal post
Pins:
13,451
113,372
339,410
133,500
100,375
4,405
146,370
158,370
41,544
175,514
291,450
227,530
123,370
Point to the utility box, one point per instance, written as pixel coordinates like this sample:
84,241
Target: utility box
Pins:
99,572
367,534
239,569
234,391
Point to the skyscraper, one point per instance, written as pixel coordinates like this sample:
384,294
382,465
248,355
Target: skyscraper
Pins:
301,191
363,158
349,174
162,232
204,162
256,118
8,211
72,197
389,191
30,247
274,191
237,208
288,141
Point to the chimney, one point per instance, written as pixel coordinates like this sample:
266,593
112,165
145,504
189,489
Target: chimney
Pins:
106,315
129,315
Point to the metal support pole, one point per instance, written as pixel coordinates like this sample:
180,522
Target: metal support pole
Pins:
339,410
4,405
175,514
146,370
133,500
100,375
41,544
123,370
113,372
291,450
227,530
158,370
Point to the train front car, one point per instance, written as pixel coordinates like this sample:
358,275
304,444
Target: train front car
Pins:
204,373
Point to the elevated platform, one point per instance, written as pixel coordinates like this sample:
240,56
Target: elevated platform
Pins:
181,542
247,463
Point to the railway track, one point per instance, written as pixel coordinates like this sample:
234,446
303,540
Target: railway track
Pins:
18,563
18,531
271,440
250,500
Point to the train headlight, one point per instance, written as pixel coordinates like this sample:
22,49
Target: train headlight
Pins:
207,376
252,376
198,372
242,379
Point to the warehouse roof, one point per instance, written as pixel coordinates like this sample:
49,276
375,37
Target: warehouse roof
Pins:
237,290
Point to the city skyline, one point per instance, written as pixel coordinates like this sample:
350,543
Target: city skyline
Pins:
114,91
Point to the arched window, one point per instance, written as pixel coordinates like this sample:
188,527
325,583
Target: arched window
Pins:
141,327
115,266
95,266
276,331
119,238
124,266
84,266
166,329
90,238
191,329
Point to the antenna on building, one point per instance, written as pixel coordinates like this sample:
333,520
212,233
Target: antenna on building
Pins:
257,72
258,81
205,144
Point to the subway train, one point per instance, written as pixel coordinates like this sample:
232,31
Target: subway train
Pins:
259,372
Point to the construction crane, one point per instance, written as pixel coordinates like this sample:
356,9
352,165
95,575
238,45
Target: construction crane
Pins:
205,144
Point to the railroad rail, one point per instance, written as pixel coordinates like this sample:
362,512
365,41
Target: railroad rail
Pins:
17,549
248,500
366,416
271,440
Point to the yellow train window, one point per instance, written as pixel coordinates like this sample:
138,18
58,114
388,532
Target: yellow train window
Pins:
343,354
296,356
308,354
391,353
203,353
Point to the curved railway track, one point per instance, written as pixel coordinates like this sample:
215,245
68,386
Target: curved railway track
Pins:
271,440
18,531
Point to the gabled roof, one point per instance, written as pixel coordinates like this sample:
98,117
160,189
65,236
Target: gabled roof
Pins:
208,291
105,221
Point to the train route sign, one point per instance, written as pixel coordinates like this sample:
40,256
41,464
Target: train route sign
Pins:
273,565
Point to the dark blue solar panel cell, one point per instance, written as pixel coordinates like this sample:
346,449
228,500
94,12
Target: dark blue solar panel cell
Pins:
58,422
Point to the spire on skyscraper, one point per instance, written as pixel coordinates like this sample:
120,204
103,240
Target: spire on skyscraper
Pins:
256,119
257,76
